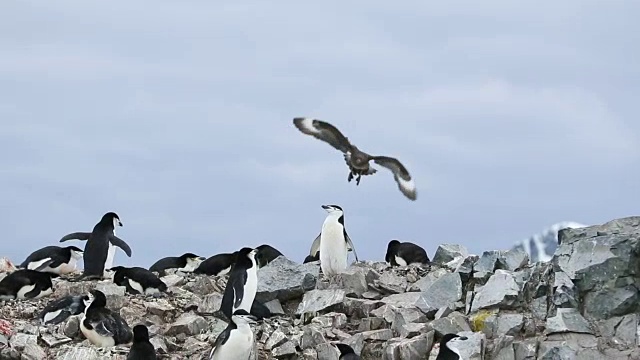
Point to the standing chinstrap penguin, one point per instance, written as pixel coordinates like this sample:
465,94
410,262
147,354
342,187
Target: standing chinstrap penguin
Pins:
236,341
60,309
347,352
217,265
101,326
137,280
54,259
99,252
334,242
356,159
405,253
448,349
186,262
241,287
26,284
142,348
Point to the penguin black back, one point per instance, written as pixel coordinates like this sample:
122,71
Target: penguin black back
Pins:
137,280
60,309
405,253
266,254
142,349
346,352
185,262
448,350
216,265
26,284
56,259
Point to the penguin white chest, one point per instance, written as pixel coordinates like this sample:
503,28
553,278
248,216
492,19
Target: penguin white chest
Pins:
95,338
400,261
250,288
111,253
333,247
238,347
23,290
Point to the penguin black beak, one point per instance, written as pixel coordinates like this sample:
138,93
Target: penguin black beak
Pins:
120,223
463,337
326,207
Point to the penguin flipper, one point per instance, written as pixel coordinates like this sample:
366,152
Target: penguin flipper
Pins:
350,245
62,316
238,287
76,236
121,244
315,246
220,340
101,327
47,263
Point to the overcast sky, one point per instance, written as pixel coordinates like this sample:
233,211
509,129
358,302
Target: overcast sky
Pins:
177,115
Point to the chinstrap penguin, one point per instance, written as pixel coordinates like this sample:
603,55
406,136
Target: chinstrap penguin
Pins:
60,309
346,352
216,265
334,242
53,259
356,159
26,284
236,341
405,253
101,326
266,254
448,349
187,262
314,252
137,280
241,287
142,349
99,251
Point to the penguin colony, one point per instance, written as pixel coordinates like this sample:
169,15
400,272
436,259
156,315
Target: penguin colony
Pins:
106,328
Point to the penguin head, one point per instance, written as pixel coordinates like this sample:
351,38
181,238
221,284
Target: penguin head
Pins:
391,247
140,333
191,258
331,209
75,251
344,349
450,341
112,218
95,298
242,316
249,253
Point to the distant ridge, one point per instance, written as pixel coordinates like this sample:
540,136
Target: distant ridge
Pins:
541,246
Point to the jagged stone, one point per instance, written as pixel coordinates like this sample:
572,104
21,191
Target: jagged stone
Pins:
526,349
187,324
454,323
500,290
318,300
568,320
502,349
424,283
285,280
450,255
512,260
391,283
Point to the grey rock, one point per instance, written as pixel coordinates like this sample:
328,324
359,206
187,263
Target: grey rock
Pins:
448,254
510,324
502,349
444,312
454,323
444,291
72,327
391,283
78,353
486,264
318,300
425,282
526,349
275,307
312,336
501,290
285,280
210,304
568,320
285,350
607,303
327,351
33,351
187,324
276,339
513,259
355,280
53,340
474,347
408,349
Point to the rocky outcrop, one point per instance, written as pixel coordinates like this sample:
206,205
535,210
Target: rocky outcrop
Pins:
582,304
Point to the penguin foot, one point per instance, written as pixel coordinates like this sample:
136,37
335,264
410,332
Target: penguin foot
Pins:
350,177
358,179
